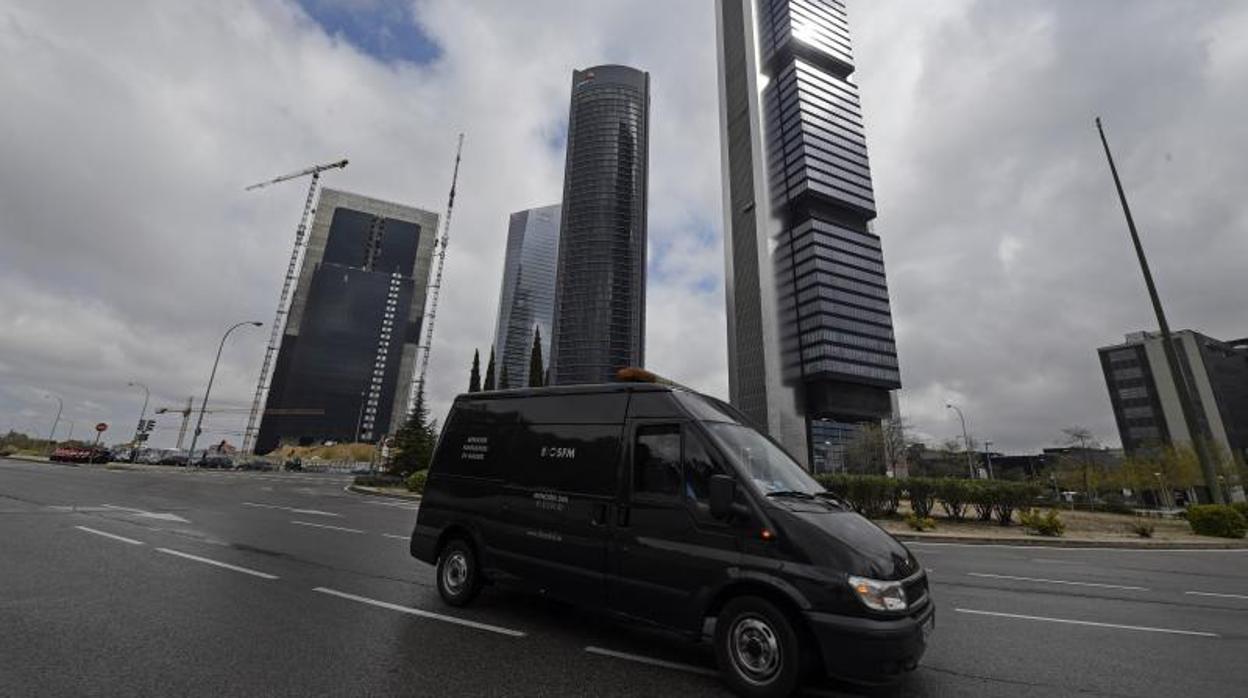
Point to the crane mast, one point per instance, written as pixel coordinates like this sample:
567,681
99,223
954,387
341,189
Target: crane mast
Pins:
279,321
435,288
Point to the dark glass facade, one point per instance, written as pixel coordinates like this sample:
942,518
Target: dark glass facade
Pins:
344,365
600,311
810,326
526,301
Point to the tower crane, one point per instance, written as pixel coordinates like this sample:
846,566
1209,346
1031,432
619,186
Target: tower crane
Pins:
435,288
190,409
283,301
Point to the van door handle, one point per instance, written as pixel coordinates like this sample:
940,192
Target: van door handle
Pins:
598,515
621,515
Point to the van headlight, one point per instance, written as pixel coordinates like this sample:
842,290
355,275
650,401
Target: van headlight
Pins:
877,595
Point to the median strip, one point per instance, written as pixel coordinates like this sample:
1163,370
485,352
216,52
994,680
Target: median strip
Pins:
1069,621
225,565
1055,581
423,614
640,659
114,536
332,528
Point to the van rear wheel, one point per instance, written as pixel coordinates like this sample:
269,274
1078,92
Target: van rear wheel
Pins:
459,578
757,649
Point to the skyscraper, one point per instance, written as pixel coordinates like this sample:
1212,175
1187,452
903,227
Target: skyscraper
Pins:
600,297
349,348
810,332
527,298
1146,406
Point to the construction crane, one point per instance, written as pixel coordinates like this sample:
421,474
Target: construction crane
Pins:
283,301
434,289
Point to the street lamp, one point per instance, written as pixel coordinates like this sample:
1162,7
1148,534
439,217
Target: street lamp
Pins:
147,394
988,456
1161,485
965,437
60,405
199,423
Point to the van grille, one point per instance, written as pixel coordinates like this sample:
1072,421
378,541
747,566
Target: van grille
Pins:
915,587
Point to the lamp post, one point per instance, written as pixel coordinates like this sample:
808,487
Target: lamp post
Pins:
988,457
60,406
1161,485
965,437
199,423
147,394
71,430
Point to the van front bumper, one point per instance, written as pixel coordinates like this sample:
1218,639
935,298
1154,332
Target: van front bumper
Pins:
871,649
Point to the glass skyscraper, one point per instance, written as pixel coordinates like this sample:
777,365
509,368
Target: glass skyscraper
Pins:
349,349
600,297
810,332
527,299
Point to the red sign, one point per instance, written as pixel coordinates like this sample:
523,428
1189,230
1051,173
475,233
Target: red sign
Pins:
101,427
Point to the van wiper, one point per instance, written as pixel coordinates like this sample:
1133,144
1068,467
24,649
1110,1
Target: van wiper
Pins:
797,494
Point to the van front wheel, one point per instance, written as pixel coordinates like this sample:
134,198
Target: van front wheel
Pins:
756,648
459,579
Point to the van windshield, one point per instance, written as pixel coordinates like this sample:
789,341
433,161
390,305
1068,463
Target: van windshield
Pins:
763,462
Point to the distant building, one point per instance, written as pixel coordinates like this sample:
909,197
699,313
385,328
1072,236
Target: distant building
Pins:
810,331
349,349
1146,406
600,297
527,299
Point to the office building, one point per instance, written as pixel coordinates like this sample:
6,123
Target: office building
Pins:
810,332
1146,404
526,301
600,296
349,349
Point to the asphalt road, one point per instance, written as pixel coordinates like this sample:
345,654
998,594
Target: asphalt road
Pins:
168,582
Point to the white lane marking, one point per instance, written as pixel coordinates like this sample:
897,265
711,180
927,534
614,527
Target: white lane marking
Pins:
313,512
1069,621
391,535
1055,581
236,568
334,528
147,514
114,536
1067,549
1210,593
423,614
651,661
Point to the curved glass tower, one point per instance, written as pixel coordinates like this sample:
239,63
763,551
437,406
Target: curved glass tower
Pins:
810,332
527,299
600,297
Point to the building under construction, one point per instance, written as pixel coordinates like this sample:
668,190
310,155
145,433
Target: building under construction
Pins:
354,324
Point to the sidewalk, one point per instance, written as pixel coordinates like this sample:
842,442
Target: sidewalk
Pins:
993,534
391,492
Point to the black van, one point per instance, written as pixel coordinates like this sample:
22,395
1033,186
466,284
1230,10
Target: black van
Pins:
659,504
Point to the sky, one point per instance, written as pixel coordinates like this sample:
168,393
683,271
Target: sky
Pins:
129,131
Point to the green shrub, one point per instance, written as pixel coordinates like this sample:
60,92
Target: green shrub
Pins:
1143,529
983,496
1241,507
416,481
1221,520
922,494
1009,496
872,496
920,523
1047,524
954,494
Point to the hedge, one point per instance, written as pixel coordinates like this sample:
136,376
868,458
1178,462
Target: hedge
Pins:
1220,520
877,495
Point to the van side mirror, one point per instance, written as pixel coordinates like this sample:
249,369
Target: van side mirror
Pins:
723,493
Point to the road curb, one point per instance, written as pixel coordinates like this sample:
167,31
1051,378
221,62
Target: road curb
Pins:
374,492
1081,543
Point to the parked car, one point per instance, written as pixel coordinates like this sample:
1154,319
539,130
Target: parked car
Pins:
173,457
254,464
662,505
215,460
75,454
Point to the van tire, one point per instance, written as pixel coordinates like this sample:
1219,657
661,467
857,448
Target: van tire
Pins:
459,576
757,648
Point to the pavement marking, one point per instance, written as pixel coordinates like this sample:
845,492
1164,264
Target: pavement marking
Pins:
1069,621
1205,593
1067,549
147,514
114,536
226,565
1055,581
651,661
391,535
423,614
313,512
334,528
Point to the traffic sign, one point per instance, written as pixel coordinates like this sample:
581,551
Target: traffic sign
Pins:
101,427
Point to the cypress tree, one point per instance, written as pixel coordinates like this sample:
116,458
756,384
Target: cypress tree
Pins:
489,373
474,377
535,359
415,440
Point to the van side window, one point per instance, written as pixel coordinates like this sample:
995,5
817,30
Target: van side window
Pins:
656,460
699,467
